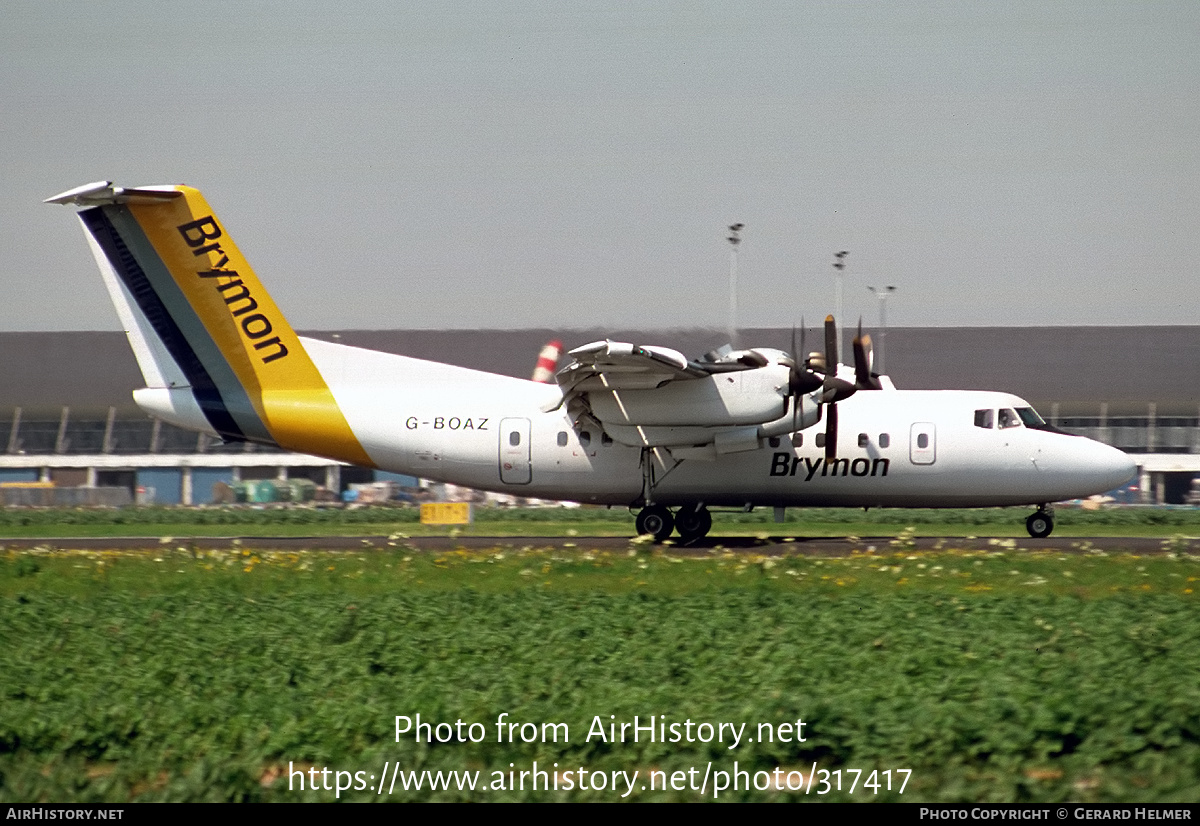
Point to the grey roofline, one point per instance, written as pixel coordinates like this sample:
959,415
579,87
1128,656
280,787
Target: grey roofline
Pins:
1078,367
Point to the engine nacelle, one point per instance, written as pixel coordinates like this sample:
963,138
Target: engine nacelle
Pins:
743,397
707,442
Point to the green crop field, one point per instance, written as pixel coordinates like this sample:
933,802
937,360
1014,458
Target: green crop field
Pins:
245,675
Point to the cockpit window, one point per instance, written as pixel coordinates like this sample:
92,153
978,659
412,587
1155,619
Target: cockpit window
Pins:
1031,417
983,418
1008,419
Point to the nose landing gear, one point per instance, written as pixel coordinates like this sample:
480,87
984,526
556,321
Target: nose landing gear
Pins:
1041,523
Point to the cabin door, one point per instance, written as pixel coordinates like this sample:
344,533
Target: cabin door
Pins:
922,445
516,467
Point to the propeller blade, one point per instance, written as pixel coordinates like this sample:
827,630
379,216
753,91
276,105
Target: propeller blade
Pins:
801,381
835,389
864,379
831,429
831,345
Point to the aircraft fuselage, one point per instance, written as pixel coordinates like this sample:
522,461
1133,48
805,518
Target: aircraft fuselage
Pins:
897,448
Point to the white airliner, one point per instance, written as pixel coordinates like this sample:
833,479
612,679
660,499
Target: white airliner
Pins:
624,424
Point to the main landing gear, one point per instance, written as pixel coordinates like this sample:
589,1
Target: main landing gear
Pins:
692,522
656,521
1041,523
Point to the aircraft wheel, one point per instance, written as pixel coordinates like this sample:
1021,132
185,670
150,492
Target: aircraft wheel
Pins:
655,520
1039,525
693,522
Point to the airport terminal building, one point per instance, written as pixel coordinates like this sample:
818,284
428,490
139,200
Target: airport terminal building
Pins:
67,414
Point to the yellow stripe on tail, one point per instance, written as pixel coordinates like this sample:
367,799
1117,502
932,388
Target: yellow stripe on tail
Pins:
276,374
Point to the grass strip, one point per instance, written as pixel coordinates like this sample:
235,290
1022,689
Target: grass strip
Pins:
993,676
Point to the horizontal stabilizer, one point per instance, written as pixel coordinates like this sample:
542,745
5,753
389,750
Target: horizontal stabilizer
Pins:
103,192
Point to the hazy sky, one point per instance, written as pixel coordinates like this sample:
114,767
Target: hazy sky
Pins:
549,164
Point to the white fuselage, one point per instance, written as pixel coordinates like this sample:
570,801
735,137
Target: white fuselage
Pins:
896,448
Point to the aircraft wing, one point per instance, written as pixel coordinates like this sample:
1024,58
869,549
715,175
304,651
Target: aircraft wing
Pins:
618,365
649,395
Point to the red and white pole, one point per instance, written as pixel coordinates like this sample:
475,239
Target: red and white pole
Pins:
547,362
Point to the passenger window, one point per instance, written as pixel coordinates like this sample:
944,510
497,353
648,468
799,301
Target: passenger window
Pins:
562,438
1008,419
797,440
514,438
884,440
773,441
922,440
820,440
585,438
983,418
863,440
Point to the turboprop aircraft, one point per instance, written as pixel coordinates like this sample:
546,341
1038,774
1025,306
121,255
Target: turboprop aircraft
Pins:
623,424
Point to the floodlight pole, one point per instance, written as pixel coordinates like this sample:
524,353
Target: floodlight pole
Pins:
734,239
882,293
839,264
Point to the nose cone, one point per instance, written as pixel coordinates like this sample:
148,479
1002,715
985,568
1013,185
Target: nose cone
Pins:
1077,467
1108,467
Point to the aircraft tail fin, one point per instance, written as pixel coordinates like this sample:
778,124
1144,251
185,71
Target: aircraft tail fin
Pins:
199,320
